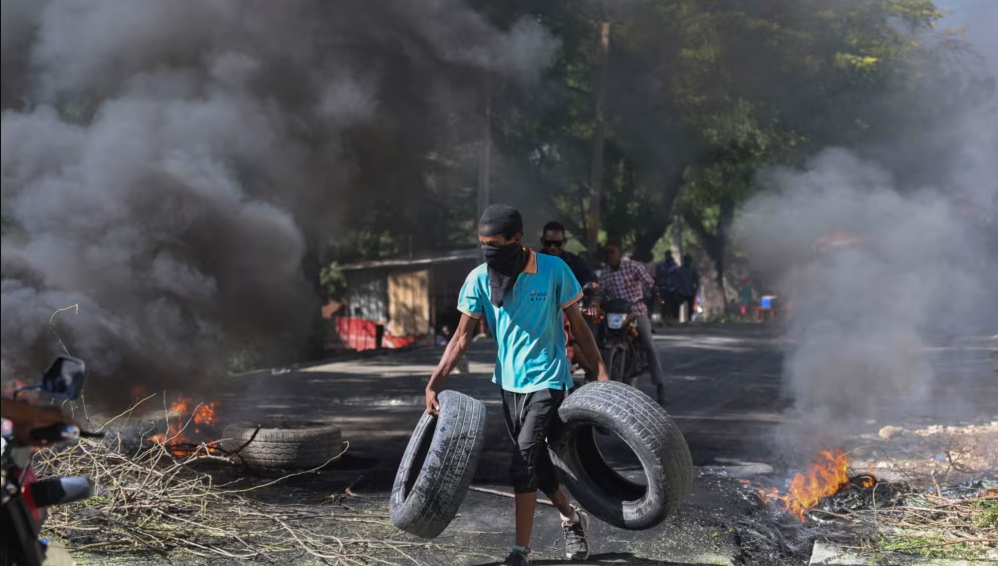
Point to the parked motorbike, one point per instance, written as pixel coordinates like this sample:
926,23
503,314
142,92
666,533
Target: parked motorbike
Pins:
623,355
24,498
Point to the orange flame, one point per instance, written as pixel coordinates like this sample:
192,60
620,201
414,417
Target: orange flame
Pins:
826,477
175,437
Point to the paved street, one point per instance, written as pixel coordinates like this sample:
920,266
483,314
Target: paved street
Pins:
725,394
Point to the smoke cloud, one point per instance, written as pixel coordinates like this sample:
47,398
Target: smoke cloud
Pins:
863,315
166,164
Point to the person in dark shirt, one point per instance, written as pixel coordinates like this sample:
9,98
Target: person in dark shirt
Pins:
553,241
665,278
687,286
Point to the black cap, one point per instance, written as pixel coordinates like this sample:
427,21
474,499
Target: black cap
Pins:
500,220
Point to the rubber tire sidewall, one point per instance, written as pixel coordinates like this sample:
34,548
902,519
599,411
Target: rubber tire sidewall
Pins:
649,432
450,447
284,448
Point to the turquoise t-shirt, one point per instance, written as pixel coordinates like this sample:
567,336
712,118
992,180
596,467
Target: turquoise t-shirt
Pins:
528,328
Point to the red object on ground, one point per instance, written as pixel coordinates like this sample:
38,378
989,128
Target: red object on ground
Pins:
390,341
361,334
357,333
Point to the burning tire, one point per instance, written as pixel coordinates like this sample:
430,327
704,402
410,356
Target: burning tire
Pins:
301,447
438,466
647,430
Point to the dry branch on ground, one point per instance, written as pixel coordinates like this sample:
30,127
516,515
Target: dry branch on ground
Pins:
149,500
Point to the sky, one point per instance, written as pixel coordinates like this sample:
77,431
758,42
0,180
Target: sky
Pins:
980,20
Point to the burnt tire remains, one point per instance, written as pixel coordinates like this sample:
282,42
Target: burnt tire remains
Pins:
304,446
648,431
438,466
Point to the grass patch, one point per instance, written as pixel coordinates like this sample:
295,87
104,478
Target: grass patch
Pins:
934,526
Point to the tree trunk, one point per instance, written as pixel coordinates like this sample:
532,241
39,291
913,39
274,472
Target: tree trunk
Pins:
596,173
485,165
715,245
645,242
677,236
312,347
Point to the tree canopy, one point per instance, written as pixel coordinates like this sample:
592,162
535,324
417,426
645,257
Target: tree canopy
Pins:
701,94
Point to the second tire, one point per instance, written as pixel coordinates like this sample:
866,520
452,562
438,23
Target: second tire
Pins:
304,446
438,466
648,431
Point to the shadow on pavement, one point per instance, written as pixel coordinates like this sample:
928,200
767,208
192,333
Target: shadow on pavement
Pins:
607,558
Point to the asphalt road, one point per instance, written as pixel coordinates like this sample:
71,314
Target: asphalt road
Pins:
723,389
725,392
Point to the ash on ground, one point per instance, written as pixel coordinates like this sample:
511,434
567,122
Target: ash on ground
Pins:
929,454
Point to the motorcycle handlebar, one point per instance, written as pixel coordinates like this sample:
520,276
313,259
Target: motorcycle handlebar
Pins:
56,433
62,432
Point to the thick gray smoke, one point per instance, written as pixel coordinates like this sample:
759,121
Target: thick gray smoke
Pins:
863,315
166,163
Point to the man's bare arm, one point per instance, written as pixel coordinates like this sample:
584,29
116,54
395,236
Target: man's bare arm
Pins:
452,355
585,339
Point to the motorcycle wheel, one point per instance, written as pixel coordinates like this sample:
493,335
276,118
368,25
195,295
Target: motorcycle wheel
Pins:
616,363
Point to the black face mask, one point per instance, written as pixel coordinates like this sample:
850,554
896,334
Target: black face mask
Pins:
505,264
505,260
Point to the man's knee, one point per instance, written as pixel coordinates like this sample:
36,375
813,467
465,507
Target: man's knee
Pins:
531,467
531,472
522,480
523,471
644,332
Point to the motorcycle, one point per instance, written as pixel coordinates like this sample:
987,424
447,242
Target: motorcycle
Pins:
623,355
590,292
24,498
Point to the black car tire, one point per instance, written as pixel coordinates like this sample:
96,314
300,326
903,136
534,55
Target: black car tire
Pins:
438,466
299,446
648,431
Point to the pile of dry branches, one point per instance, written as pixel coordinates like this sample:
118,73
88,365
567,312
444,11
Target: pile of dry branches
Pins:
940,523
148,500
957,522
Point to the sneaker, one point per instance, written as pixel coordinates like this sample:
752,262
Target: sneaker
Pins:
576,543
517,558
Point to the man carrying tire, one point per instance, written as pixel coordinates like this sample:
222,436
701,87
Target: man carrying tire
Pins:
522,295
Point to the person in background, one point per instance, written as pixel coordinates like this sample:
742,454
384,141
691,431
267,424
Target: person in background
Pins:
665,278
651,294
553,242
745,297
522,295
444,338
628,280
687,286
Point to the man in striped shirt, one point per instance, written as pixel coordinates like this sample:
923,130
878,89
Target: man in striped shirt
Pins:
628,280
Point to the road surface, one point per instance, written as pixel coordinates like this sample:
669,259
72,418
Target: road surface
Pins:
725,392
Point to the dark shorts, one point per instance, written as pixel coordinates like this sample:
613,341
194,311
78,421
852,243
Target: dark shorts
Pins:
530,419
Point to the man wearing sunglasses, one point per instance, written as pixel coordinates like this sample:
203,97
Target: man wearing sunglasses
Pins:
553,242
